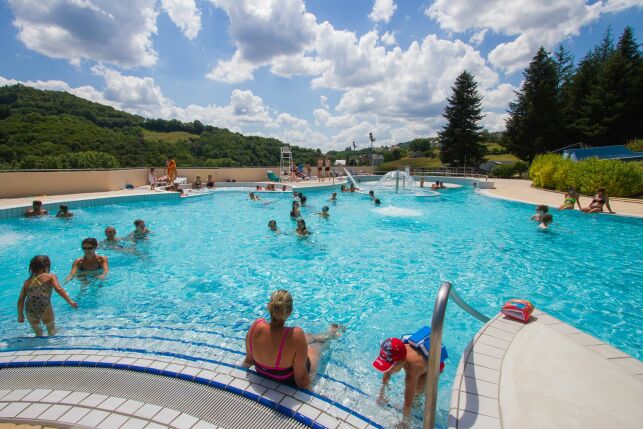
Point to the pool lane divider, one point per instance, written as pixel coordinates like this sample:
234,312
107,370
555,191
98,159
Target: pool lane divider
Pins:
211,383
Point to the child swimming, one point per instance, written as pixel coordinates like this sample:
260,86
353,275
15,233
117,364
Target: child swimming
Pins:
324,213
140,232
64,212
272,225
36,293
301,230
546,220
294,212
541,210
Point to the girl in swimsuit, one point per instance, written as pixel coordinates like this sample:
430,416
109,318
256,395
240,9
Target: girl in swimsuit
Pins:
91,263
293,356
36,291
600,200
571,199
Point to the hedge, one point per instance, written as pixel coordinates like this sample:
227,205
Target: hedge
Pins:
507,171
620,179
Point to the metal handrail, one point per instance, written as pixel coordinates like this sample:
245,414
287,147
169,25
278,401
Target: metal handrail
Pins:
437,325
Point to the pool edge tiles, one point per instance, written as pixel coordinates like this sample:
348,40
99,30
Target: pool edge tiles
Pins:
307,408
476,396
80,202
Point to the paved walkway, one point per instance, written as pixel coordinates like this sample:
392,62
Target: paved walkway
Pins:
521,190
544,374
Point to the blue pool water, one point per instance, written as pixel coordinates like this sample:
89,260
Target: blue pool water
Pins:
210,265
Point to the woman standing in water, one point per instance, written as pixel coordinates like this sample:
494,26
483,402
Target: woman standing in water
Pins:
36,291
90,263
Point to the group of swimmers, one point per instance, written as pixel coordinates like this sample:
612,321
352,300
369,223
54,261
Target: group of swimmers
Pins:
37,210
35,296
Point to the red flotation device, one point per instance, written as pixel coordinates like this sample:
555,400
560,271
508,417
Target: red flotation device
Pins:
518,309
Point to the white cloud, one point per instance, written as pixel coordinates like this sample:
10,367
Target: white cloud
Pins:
619,5
232,71
263,31
478,37
99,30
388,38
185,14
383,10
534,24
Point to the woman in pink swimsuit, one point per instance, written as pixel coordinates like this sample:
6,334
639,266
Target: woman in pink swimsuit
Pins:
284,354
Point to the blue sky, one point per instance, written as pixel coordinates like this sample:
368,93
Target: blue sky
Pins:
317,73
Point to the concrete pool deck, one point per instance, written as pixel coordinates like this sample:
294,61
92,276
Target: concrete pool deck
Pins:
522,191
544,374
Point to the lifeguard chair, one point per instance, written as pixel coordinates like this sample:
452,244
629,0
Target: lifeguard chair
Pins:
285,163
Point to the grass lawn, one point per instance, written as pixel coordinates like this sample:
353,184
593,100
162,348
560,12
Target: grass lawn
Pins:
501,157
414,163
171,137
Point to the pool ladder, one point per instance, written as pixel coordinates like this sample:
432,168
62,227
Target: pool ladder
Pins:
437,325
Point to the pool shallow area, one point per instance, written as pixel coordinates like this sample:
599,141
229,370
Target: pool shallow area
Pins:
210,265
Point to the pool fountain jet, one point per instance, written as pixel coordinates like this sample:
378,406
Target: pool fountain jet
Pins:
400,179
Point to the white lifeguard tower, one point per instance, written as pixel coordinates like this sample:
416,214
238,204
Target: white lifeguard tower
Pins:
285,164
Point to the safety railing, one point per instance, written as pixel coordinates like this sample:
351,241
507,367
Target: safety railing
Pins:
437,325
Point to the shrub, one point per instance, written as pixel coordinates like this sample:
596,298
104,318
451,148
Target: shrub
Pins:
621,179
635,145
504,171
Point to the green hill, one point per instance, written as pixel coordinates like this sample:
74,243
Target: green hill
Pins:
53,129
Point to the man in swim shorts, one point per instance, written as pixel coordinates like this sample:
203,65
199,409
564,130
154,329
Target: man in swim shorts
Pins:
394,357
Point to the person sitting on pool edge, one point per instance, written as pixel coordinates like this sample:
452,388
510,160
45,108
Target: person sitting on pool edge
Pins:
571,198
285,354
546,220
301,230
197,184
64,212
395,356
541,210
36,210
90,263
36,291
601,199
140,232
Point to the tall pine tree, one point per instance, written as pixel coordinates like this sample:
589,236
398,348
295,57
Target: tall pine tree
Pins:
460,138
534,122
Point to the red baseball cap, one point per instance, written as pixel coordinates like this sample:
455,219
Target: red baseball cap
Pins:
392,350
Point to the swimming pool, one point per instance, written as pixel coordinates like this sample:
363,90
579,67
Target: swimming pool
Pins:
208,269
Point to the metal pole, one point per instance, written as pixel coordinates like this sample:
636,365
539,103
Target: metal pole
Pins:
433,371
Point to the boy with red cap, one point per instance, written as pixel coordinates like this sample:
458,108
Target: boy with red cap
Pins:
396,355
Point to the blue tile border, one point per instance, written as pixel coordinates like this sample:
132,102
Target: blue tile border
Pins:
13,211
265,401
